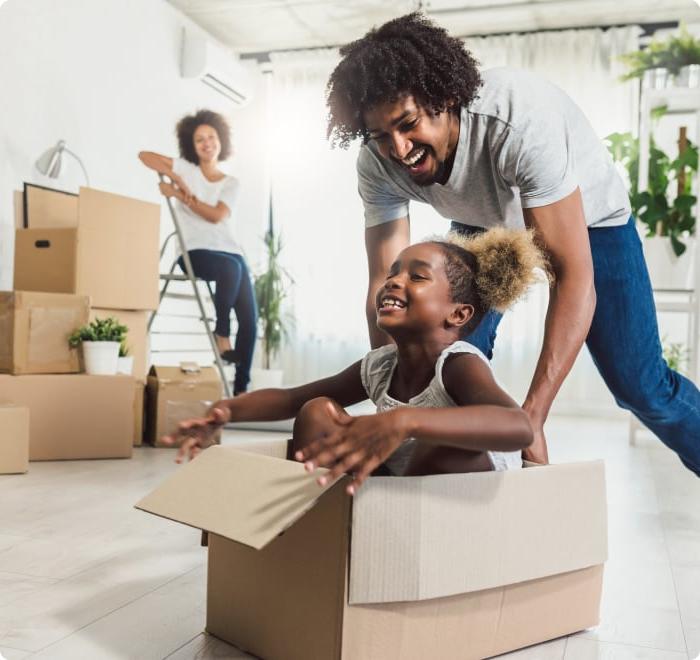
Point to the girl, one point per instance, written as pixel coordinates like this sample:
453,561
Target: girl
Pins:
439,408
206,197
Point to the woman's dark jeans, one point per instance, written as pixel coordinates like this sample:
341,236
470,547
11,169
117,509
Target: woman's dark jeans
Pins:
624,342
234,290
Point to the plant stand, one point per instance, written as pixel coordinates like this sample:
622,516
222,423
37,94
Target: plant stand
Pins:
684,300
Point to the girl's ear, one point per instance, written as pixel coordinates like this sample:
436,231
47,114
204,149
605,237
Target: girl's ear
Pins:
460,316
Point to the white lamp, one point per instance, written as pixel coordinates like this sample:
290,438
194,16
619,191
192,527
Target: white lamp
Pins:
51,161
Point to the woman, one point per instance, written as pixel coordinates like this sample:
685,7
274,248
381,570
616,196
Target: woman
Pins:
206,197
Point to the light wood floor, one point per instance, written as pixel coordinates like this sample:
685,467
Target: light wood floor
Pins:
85,576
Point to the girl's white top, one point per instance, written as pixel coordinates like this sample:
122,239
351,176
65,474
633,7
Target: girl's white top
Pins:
200,234
377,371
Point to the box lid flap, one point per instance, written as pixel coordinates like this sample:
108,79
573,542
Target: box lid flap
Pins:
246,497
416,538
186,372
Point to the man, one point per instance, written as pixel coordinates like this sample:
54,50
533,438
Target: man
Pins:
508,148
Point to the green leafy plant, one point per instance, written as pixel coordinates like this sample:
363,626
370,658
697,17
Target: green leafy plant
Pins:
123,348
108,329
270,292
675,354
675,218
673,54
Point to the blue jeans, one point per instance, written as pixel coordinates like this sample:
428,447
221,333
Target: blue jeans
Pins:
234,290
624,343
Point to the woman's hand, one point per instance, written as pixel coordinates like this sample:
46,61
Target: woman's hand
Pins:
168,189
187,195
198,433
358,445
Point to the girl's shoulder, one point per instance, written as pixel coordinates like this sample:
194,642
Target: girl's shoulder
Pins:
376,369
459,347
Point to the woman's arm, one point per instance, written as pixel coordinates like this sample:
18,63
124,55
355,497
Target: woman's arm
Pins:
158,163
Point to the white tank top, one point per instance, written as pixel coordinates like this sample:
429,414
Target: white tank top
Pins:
377,370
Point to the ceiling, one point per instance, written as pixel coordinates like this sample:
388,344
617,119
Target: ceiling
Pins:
256,26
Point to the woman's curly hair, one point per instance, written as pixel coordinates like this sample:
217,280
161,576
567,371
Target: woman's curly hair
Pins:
491,270
408,55
188,125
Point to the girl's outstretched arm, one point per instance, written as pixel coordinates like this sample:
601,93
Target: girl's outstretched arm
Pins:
265,405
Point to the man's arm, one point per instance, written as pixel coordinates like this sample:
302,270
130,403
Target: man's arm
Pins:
383,244
561,229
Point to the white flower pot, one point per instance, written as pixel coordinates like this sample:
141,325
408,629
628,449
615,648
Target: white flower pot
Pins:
125,365
101,357
666,270
261,379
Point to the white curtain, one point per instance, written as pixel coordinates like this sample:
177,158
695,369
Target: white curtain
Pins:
318,210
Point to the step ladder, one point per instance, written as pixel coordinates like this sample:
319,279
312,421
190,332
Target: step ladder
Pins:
189,276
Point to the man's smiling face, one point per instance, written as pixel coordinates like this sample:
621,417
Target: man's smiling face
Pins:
422,143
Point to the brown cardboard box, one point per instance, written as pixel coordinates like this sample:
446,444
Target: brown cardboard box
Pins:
177,393
18,203
447,566
111,256
14,439
45,208
137,337
75,416
139,405
34,331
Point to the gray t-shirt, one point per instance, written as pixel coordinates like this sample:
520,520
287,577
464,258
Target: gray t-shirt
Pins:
522,143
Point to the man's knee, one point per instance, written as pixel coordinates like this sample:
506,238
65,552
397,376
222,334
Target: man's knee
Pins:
648,400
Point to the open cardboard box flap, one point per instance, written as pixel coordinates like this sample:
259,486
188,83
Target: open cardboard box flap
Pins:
242,496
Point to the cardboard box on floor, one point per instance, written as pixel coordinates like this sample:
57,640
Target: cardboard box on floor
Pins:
137,337
449,566
177,393
34,331
14,439
75,416
110,255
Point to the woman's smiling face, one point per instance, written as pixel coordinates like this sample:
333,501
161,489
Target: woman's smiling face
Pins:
206,143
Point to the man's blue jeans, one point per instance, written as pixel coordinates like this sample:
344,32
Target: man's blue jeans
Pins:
624,343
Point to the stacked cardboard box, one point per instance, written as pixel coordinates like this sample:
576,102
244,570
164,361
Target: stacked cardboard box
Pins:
78,257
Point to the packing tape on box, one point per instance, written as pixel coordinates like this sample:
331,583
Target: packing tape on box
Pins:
49,330
179,411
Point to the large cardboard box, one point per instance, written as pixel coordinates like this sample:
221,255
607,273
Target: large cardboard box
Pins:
111,255
178,393
447,566
75,416
34,331
14,439
48,208
137,337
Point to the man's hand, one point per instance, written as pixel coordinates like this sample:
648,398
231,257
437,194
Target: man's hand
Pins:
358,445
198,433
537,451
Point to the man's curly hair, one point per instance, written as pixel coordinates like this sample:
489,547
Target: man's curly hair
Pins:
188,125
407,55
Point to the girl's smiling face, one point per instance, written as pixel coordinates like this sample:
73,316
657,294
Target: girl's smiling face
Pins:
416,296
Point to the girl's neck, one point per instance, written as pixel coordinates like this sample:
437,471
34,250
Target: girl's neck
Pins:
415,365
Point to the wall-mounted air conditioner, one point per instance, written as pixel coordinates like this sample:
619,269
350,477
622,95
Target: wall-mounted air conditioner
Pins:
215,67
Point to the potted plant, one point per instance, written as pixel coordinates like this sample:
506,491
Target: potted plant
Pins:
665,208
675,354
270,291
661,60
100,340
125,362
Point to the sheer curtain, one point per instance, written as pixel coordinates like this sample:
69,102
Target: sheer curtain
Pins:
318,210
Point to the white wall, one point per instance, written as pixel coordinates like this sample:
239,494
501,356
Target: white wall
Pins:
104,76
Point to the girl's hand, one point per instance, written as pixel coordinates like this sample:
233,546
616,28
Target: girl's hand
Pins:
358,445
198,433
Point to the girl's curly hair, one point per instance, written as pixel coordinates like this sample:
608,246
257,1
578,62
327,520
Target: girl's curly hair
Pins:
491,270
408,55
188,125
